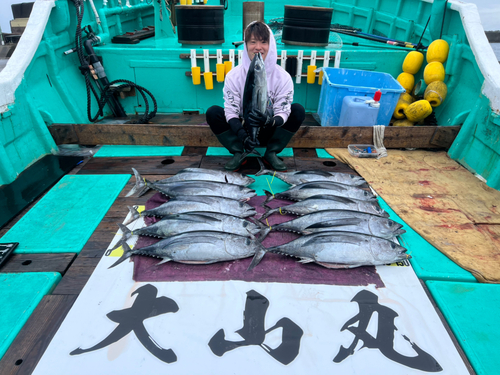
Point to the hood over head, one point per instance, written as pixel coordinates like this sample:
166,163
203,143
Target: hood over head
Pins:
272,54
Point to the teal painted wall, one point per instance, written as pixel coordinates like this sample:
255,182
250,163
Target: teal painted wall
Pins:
53,90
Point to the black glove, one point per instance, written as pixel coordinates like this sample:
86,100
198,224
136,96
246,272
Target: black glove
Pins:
249,144
260,119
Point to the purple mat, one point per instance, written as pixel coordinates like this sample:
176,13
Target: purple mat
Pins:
272,268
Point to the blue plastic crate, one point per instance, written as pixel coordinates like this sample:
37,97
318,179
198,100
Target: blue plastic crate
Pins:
338,83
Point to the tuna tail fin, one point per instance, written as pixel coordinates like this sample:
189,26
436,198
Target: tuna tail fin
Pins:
246,153
139,184
264,230
263,169
127,253
268,212
126,235
135,215
269,197
257,258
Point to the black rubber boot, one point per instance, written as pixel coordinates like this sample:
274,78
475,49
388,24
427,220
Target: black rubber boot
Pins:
275,145
234,145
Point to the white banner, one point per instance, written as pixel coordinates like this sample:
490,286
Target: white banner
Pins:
118,326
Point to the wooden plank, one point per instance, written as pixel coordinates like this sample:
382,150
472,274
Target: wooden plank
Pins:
330,165
306,137
31,342
77,276
38,263
251,165
144,165
192,151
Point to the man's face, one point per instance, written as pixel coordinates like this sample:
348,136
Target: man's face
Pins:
255,45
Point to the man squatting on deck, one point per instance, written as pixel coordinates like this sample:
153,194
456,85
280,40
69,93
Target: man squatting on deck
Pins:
275,131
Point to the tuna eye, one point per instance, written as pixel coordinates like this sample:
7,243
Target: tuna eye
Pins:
391,223
393,245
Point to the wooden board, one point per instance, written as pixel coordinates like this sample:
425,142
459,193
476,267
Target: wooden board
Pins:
442,201
144,165
38,263
77,276
202,136
251,165
31,342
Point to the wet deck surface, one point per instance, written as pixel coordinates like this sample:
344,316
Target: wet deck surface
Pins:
76,269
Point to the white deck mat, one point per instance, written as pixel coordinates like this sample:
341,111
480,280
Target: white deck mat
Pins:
402,335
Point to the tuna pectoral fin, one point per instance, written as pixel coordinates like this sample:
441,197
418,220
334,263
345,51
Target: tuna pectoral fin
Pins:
139,183
338,266
164,260
127,253
257,258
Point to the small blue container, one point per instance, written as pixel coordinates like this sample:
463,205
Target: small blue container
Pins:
339,83
357,112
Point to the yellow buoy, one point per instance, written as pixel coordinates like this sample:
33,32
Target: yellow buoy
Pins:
404,122
435,93
438,51
407,81
418,110
404,101
413,62
434,71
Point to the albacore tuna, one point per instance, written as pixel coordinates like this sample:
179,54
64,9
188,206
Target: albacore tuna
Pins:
300,177
309,189
183,204
344,221
209,188
327,202
202,247
172,225
254,97
193,174
343,250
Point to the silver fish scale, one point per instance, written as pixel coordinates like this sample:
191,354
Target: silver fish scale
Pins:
259,95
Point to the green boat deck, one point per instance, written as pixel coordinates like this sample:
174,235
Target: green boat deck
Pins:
437,271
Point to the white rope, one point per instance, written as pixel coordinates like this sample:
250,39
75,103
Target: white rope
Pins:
378,140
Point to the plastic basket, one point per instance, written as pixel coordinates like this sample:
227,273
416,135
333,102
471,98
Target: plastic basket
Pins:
338,83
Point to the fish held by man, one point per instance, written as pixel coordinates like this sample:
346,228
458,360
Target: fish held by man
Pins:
254,98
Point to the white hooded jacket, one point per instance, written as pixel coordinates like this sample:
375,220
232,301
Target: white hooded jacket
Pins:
279,85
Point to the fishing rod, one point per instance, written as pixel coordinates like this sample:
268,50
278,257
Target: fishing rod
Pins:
379,39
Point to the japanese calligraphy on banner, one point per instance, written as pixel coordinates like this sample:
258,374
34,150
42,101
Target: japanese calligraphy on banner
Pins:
118,326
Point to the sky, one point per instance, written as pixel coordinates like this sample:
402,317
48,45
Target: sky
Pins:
489,11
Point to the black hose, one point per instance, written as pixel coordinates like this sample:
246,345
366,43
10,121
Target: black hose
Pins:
442,23
106,92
